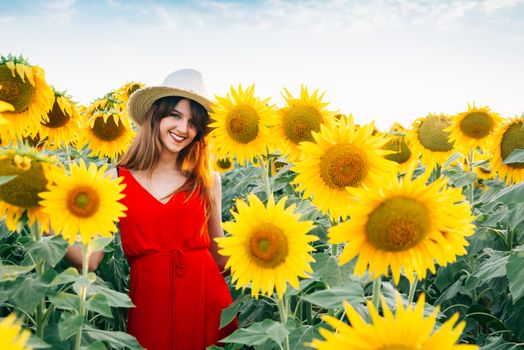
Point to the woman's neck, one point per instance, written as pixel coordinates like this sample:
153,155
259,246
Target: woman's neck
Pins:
166,163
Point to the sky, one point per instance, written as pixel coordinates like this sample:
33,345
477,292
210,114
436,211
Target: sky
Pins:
382,60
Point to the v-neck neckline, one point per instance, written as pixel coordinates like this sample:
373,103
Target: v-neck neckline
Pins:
150,194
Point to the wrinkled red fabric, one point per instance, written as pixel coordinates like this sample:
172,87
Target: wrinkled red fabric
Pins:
175,284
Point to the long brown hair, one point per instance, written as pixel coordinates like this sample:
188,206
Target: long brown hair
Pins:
193,160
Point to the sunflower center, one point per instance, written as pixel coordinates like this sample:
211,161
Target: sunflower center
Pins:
224,163
108,131
397,224
22,191
512,139
242,123
477,125
432,136
57,117
83,201
15,91
132,89
402,152
268,245
33,141
343,165
299,121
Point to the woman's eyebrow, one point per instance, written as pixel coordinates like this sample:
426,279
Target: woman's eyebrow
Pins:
176,111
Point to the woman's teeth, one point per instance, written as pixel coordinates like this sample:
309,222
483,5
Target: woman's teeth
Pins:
177,137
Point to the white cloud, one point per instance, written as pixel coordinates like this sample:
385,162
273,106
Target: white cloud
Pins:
324,16
58,11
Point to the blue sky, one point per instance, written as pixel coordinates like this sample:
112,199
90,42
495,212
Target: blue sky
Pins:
383,60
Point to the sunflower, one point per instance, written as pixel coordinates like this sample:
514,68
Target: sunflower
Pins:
85,203
240,123
299,118
405,224
24,87
62,123
12,336
397,128
125,91
509,138
403,155
33,171
340,157
268,246
408,329
107,128
223,165
429,138
474,128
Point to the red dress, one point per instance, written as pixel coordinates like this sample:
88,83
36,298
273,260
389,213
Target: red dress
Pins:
175,284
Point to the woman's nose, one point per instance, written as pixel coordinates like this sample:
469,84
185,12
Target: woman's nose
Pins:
182,125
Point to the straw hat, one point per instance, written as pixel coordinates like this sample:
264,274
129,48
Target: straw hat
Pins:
186,83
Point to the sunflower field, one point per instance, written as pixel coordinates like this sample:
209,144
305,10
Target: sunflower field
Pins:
339,235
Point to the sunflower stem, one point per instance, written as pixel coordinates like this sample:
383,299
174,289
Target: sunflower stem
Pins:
265,176
40,267
83,292
471,168
375,297
412,289
282,310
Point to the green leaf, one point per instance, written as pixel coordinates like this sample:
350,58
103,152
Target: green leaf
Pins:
516,216
327,269
11,272
258,333
498,343
301,335
51,249
511,194
455,288
65,301
229,313
34,342
118,340
464,179
5,179
69,325
493,267
333,297
99,244
452,159
97,345
516,318
98,303
67,276
515,272
29,293
113,297
517,156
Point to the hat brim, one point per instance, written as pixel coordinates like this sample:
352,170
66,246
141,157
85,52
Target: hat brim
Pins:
141,100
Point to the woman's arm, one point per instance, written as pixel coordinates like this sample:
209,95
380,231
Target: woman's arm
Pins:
74,256
214,224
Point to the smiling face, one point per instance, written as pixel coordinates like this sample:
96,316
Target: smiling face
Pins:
177,129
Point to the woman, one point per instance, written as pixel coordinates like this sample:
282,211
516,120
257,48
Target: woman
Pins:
174,211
